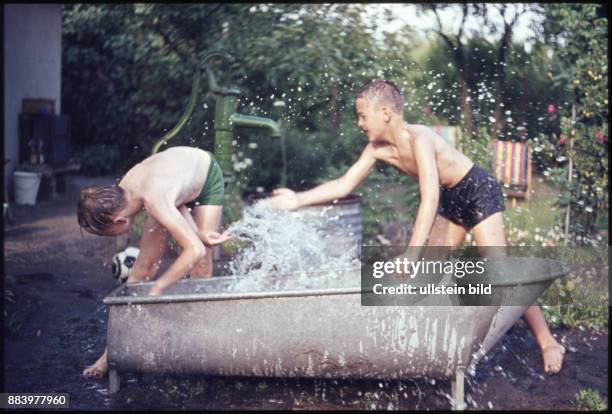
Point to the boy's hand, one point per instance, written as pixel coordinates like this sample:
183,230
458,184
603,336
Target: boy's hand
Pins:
156,290
283,199
411,255
213,238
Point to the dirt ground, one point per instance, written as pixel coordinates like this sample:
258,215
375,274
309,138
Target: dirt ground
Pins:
55,325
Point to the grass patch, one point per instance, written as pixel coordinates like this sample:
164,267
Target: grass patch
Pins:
589,400
533,222
580,299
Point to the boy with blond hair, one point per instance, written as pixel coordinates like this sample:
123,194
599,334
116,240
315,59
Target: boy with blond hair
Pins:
457,196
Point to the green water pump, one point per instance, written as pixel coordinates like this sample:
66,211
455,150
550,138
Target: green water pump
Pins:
226,117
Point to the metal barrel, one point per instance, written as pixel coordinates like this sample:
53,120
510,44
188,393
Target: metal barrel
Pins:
339,221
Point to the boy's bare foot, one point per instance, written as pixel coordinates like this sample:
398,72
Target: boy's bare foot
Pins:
553,357
98,369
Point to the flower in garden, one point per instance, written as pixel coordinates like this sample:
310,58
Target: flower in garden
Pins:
551,109
562,139
601,137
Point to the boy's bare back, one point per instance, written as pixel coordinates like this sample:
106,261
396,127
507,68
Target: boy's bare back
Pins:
176,174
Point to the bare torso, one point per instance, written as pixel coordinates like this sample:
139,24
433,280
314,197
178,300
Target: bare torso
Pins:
177,174
452,165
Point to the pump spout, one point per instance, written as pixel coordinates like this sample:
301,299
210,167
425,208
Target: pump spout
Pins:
256,122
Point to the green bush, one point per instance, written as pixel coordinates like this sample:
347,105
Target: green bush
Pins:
582,75
581,298
99,159
478,149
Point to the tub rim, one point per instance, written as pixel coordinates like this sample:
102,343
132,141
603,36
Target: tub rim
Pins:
198,297
114,299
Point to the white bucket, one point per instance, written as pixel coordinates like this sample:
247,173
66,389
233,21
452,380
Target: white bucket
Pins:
26,186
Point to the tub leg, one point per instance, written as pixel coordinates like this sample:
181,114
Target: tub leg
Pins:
457,389
114,381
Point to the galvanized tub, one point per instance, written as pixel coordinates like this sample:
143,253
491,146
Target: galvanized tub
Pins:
203,326
341,220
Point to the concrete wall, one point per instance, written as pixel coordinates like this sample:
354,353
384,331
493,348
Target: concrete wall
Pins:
32,66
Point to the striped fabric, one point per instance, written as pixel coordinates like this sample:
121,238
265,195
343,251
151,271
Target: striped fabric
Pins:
449,133
510,163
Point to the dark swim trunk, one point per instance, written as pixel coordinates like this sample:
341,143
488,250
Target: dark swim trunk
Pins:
477,196
213,191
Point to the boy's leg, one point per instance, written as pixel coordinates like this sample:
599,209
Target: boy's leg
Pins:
446,233
99,368
207,218
445,236
152,247
552,351
491,240
490,236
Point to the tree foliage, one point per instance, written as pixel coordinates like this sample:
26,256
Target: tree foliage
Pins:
578,39
128,70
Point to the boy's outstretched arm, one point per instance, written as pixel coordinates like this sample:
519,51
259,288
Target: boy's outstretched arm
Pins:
169,217
429,187
286,199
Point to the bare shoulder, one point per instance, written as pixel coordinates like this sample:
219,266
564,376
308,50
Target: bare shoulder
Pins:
421,131
421,136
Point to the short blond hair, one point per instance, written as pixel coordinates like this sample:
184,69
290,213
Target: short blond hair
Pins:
383,91
97,205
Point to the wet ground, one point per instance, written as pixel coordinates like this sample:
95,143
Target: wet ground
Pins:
55,325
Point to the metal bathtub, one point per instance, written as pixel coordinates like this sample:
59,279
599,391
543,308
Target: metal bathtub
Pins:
202,326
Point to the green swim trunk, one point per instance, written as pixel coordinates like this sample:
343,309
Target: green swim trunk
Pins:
213,192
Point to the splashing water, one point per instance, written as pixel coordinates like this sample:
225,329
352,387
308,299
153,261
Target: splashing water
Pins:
292,245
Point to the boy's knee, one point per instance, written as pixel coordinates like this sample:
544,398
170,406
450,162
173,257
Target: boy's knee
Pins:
199,252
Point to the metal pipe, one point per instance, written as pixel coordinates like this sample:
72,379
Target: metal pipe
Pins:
226,118
256,122
225,106
195,87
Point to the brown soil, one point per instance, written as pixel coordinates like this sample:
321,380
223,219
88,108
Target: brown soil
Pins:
55,324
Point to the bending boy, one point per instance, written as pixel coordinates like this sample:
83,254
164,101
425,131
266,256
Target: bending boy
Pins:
182,190
456,196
